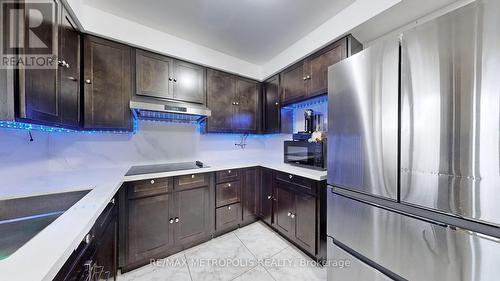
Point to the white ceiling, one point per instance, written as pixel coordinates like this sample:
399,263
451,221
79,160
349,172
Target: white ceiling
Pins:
252,30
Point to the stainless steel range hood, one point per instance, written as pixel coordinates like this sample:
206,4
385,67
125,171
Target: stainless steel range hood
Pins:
149,108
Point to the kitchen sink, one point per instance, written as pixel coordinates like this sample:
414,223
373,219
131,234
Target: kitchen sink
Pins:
23,218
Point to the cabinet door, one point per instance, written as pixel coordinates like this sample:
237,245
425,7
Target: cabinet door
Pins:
106,255
108,84
69,74
153,75
271,105
305,221
319,63
283,209
221,88
41,96
150,233
192,215
293,83
250,190
247,106
266,195
189,82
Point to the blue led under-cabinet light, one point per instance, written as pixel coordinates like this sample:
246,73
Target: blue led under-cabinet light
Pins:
49,129
308,103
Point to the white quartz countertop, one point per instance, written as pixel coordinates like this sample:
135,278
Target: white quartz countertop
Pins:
43,256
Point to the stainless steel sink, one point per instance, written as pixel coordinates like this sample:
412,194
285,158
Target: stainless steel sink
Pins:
23,218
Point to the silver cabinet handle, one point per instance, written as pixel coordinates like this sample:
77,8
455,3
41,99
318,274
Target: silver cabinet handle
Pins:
87,81
269,197
152,181
308,77
88,238
290,176
289,214
176,220
229,207
193,176
304,78
276,103
112,201
171,221
170,79
72,78
175,80
229,171
228,185
292,216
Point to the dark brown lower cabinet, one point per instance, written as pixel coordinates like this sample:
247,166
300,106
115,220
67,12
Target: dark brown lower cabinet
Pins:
228,217
150,232
191,212
284,206
266,195
296,215
251,194
166,219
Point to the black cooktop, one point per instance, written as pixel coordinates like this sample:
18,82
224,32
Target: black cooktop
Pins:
162,168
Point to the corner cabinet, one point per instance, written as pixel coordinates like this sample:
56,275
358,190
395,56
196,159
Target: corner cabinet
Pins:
107,84
309,78
271,105
234,102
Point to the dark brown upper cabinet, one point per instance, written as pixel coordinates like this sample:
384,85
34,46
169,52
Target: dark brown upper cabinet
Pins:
234,102
250,193
52,96
221,93
246,114
107,84
166,78
153,75
189,82
271,102
309,78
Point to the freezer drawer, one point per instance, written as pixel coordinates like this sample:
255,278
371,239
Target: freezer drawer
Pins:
363,121
344,266
411,248
450,115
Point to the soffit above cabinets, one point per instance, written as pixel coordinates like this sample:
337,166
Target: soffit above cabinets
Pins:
252,30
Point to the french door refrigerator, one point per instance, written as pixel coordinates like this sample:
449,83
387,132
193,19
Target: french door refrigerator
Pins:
414,153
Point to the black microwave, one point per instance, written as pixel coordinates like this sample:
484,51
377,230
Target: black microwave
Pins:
306,154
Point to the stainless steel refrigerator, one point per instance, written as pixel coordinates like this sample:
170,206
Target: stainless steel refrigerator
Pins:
414,153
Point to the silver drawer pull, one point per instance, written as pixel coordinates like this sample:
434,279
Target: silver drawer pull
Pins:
228,185
171,221
229,171
192,176
152,181
176,219
269,197
290,176
292,216
289,214
229,207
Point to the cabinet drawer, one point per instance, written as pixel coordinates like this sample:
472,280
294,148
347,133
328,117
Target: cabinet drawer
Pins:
227,193
227,175
298,183
150,187
191,181
228,216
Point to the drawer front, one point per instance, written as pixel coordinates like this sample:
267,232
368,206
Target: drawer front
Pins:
191,181
150,187
227,193
227,175
228,216
299,183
